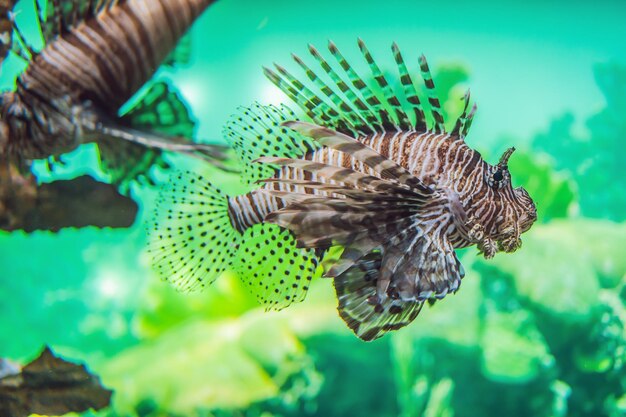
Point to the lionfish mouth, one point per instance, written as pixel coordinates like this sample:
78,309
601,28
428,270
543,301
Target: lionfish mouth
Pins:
526,223
510,244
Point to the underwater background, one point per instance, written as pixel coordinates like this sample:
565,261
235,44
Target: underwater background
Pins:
539,332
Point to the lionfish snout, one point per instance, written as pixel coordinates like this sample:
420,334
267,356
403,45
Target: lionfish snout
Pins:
528,211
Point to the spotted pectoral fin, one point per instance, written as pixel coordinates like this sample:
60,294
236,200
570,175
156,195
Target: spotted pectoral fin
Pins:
276,271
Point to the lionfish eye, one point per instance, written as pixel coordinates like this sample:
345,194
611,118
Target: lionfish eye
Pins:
498,175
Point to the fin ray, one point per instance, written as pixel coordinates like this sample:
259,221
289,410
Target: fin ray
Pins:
363,106
257,131
191,239
287,279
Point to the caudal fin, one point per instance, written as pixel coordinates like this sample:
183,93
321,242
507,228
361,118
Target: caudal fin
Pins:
191,239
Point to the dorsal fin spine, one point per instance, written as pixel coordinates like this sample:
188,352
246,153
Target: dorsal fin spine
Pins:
373,119
433,100
356,116
460,121
291,92
468,122
361,106
401,121
335,98
308,95
410,93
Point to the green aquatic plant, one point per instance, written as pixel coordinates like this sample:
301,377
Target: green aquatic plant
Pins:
576,310
205,365
595,160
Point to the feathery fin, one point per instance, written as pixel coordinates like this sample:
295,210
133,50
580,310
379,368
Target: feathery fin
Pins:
191,239
284,280
387,168
257,131
356,287
384,223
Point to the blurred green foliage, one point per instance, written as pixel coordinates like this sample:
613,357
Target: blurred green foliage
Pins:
596,160
537,332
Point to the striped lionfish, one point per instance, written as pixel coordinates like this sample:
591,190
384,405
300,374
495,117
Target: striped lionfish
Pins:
375,172
97,55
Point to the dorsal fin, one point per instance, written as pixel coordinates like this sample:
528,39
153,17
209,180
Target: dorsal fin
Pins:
357,105
258,131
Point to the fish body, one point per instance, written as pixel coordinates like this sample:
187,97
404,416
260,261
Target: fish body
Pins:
97,55
375,172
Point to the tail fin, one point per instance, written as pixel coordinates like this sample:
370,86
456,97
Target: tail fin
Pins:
191,239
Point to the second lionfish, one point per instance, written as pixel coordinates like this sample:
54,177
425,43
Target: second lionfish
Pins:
97,55
374,172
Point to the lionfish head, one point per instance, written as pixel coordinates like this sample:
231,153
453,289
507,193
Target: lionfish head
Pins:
517,211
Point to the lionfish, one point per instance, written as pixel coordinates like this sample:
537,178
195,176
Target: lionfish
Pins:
97,55
374,172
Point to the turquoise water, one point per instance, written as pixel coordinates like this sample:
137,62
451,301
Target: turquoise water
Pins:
539,332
